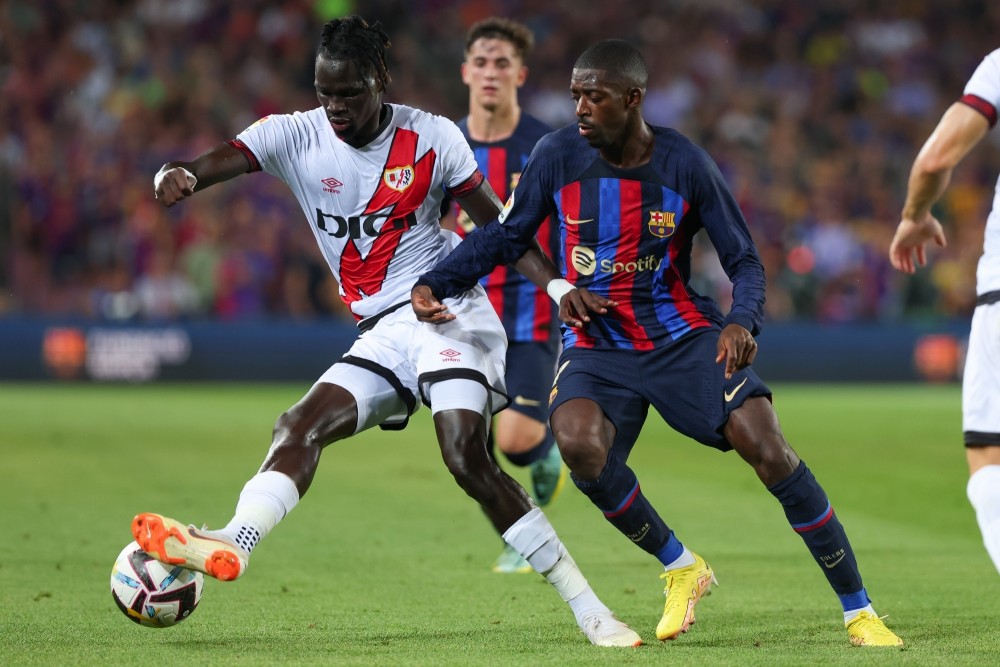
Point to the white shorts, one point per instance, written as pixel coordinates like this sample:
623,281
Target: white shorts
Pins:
981,379
389,368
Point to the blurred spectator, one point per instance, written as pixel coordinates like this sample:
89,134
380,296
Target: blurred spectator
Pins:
814,112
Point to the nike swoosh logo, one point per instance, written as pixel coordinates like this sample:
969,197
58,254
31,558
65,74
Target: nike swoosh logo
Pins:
729,395
521,400
573,221
832,565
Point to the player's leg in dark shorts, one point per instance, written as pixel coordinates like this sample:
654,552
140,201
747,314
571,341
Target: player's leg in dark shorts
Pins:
607,377
530,369
683,382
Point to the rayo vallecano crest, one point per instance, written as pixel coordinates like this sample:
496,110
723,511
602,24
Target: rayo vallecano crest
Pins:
398,178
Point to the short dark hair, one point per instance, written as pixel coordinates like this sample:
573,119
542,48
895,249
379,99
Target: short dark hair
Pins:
618,56
495,27
353,38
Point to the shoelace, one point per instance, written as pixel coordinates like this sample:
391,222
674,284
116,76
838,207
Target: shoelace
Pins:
666,577
873,623
666,587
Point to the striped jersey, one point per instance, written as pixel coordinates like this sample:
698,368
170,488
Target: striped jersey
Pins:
527,312
374,210
982,93
625,234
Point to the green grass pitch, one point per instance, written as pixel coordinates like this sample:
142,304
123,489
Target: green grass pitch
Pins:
386,562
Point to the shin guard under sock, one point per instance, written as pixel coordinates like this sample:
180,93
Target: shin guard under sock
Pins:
617,494
810,514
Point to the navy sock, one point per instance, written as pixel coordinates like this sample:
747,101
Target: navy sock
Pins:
524,459
617,494
809,512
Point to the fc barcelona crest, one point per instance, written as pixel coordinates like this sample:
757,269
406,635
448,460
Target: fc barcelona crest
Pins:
399,178
661,223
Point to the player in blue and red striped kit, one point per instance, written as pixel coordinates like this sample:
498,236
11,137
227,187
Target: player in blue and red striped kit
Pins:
501,136
629,199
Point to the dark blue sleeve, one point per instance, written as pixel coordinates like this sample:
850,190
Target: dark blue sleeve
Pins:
502,241
477,255
727,229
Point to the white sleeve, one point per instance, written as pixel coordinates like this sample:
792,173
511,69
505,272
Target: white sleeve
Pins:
985,81
273,140
457,161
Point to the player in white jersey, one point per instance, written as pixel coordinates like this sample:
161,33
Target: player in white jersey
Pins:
963,126
370,178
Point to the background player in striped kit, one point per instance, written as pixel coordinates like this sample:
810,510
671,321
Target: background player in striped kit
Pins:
501,136
961,128
630,197
370,178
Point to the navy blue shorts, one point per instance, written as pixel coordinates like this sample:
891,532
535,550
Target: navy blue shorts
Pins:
681,381
530,369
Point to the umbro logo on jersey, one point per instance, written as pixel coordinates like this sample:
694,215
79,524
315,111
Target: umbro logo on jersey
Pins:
332,185
450,355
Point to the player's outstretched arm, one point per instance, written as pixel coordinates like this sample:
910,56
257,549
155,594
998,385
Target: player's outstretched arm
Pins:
959,130
483,206
179,180
483,250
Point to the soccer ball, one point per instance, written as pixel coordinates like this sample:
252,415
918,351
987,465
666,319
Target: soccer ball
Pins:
151,593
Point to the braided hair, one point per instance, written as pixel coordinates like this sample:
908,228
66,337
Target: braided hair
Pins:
354,39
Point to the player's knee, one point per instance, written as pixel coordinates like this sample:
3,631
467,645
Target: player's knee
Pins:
583,451
469,470
754,432
291,431
463,448
585,437
776,461
771,457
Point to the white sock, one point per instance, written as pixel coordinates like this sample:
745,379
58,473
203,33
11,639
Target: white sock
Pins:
264,501
849,615
984,494
686,558
535,539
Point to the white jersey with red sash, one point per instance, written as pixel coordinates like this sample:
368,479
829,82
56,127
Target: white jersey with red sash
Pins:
374,210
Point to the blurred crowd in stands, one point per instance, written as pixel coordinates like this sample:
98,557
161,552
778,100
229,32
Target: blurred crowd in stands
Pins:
813,110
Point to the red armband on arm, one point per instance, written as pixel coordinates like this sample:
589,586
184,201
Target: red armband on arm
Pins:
251,158
982,106
467,186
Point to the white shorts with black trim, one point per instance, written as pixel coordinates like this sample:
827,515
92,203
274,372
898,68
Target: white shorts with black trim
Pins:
390,367
981,379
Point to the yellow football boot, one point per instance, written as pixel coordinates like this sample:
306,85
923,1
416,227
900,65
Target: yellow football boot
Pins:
684,587
867,629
